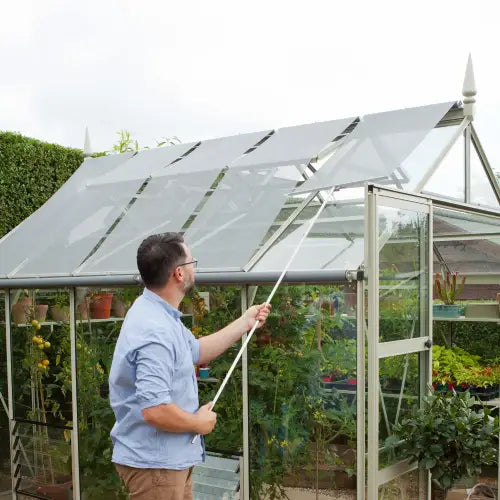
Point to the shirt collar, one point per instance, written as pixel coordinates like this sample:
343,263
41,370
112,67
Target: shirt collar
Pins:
153,297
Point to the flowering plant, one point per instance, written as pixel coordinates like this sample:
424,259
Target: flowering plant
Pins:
446,287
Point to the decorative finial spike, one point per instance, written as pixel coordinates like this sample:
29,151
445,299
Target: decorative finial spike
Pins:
469,89
87,148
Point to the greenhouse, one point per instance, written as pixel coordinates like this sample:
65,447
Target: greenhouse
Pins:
404,200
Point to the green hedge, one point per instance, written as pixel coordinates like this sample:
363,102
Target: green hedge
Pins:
31,171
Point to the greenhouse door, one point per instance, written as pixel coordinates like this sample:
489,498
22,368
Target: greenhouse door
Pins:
398,256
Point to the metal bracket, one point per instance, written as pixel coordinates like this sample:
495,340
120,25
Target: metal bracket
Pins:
355,274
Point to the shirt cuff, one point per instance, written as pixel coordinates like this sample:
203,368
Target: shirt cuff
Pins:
150,399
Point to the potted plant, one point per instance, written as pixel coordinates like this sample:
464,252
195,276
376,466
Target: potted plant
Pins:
451,435
100,305
456,369
123,298
447,288
59,311
21,310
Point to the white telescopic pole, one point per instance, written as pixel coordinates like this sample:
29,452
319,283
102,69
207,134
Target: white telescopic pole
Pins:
271,295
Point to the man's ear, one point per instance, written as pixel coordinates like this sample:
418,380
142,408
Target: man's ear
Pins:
177,274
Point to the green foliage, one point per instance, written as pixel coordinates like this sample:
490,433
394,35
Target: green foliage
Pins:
482,339
95,346
31,171
125,143
451,435
458,367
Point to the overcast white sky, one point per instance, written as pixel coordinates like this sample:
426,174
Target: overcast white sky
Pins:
203,69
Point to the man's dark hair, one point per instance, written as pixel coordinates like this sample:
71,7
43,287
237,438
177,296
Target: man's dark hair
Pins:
157,256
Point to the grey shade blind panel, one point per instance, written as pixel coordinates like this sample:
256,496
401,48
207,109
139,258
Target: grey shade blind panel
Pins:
214,154
143,164
237,216
36,234
294,145
377,146
164,205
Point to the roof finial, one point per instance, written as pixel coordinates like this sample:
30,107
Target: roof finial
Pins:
469,90
87,148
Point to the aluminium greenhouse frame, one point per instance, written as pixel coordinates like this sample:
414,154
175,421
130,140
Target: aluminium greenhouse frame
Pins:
364,282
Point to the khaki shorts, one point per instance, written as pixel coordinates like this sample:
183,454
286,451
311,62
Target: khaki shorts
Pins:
157,484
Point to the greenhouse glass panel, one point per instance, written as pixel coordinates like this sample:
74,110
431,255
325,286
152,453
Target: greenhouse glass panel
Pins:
99,314
449,179
164,205
302,386
238,215
45,466
378,145
481,190
41,356
334,242
206,310
470,256
417,164
403,273
399,392
409,486
38,230
42,391
456,222
294,145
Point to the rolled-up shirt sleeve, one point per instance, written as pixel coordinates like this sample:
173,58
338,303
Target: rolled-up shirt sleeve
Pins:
154,373
194,345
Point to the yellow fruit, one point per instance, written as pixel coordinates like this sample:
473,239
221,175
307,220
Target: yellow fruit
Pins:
38,340
41,346
78,346
34,323
38,326
46,344
45,362
39,365
34,340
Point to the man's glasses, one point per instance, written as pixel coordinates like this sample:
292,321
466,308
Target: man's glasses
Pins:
194,262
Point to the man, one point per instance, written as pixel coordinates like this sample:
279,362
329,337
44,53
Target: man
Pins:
153,388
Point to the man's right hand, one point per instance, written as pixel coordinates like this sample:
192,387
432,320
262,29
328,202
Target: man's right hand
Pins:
206,419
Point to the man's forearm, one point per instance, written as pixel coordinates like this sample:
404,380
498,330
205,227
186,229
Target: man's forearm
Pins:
171,418
214,345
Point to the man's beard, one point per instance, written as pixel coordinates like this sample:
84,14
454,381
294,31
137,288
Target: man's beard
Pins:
189,286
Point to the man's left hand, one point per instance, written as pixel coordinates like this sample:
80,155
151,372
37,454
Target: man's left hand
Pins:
256,313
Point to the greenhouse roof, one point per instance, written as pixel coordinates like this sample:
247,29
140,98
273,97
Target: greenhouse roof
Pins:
243,201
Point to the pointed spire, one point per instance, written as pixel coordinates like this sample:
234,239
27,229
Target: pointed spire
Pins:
469,89
87,148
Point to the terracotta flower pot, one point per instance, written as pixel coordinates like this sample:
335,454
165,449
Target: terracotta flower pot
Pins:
59,313
41,312
61,491
118,308
20,313
100,306
82,309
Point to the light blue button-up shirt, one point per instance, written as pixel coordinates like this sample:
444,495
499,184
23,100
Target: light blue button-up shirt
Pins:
153,365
